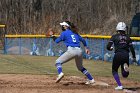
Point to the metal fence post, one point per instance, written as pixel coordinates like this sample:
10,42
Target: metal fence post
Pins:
51,45
102,50
87,46
34,46
20,45
34,41
139,53
5,45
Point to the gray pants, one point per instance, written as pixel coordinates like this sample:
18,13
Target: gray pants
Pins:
72,52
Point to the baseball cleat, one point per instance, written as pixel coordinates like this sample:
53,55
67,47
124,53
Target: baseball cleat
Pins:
90,82
119,88
126,68
60,76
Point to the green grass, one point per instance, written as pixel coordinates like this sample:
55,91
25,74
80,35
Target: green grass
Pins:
24,64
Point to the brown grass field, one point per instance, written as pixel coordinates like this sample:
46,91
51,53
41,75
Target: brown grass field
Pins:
37,74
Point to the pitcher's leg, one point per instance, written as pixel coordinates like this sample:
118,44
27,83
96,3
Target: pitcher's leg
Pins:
63,59
79,64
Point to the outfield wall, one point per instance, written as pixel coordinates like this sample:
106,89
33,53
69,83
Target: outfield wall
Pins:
45,46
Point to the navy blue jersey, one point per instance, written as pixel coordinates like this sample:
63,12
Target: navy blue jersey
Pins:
122,43
71,39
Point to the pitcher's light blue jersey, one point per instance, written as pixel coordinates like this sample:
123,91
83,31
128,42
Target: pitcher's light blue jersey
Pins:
71,39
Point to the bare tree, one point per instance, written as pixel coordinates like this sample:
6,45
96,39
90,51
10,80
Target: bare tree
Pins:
91,16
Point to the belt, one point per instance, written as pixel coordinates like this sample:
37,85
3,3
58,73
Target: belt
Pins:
74,47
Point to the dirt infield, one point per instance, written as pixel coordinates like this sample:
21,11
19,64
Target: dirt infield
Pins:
13,83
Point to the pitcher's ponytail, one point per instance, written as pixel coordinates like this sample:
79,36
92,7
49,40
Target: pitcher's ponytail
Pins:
72,27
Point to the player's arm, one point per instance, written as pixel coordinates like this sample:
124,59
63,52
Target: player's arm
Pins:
57,40
87,50
133,52
60,38
53,37
109,46
110,43
132,49
85,44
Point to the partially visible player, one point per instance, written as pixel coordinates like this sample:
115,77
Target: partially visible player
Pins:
122,44
72,41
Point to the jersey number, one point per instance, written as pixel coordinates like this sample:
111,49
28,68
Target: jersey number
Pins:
123,39
73,38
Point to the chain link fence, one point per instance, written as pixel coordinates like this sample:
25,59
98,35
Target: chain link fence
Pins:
47,47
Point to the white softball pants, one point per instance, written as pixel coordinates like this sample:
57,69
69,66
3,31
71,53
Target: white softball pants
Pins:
72,52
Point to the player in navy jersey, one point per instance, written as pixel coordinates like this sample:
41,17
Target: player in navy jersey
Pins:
122,44
72,41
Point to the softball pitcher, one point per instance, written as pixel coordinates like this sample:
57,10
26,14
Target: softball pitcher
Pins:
122,44
72,40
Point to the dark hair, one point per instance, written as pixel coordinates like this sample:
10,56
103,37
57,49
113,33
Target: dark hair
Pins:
72,27
63,29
